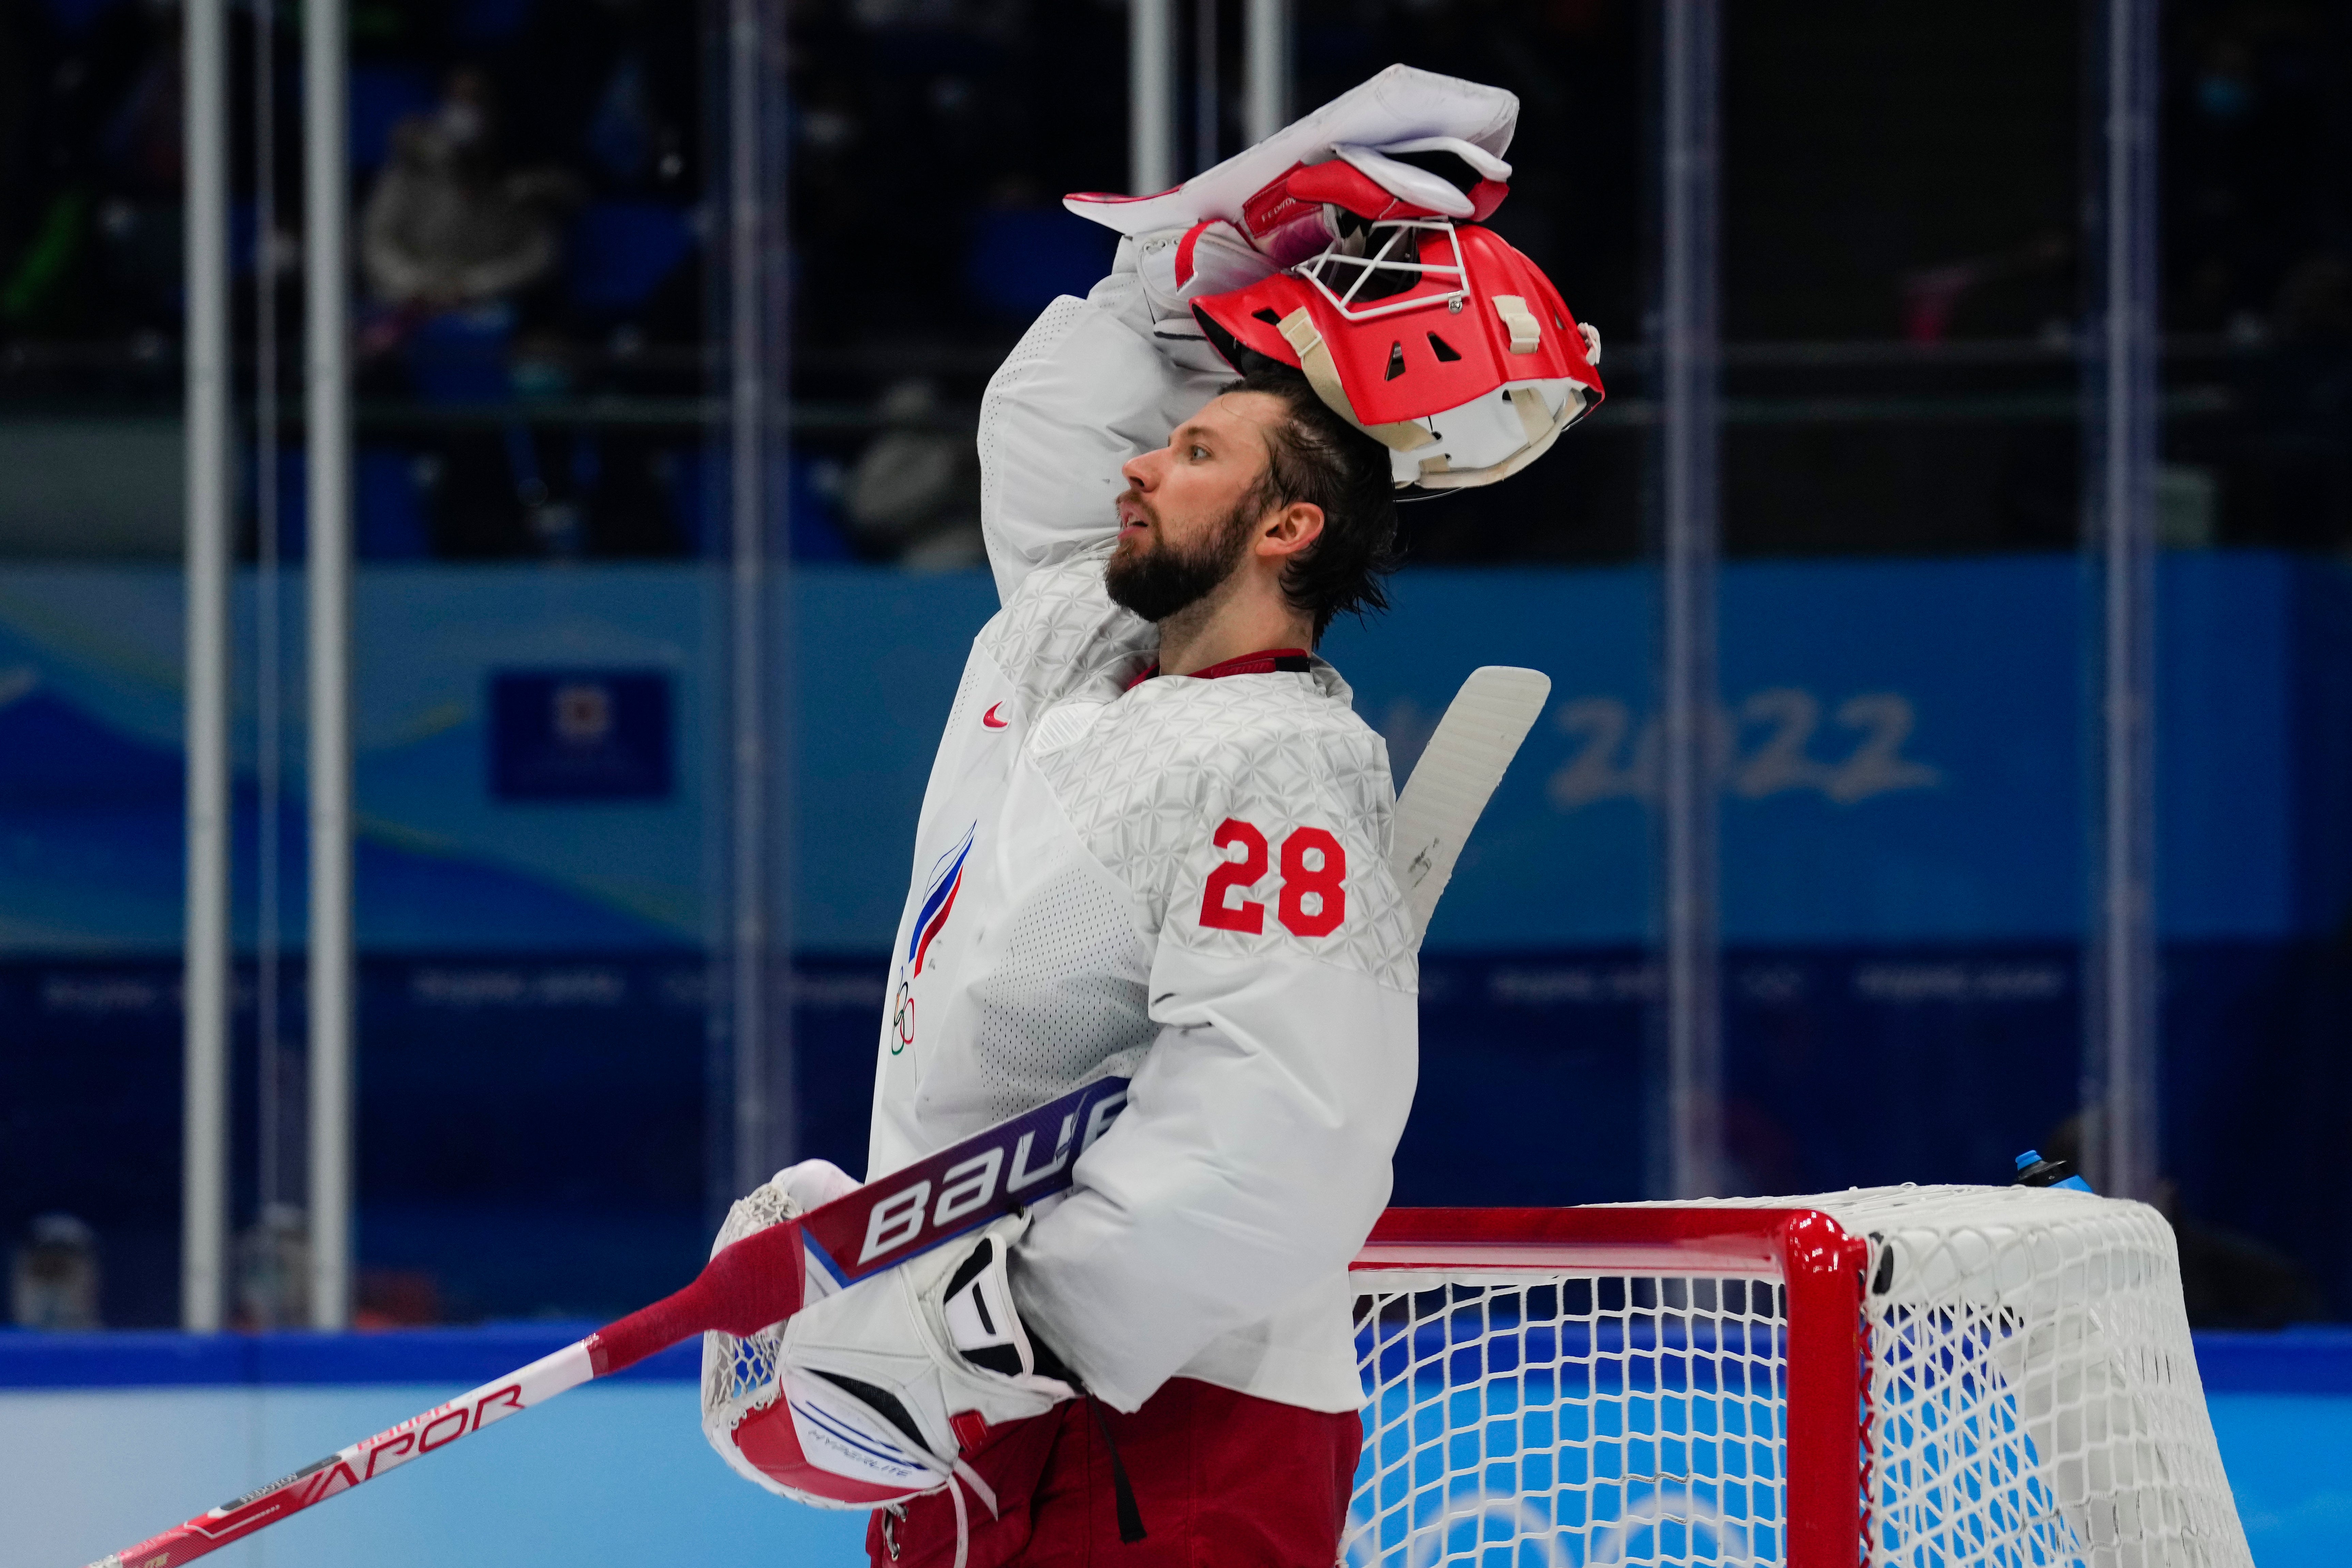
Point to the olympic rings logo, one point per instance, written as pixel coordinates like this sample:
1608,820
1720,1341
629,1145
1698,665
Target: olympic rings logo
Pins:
902,1016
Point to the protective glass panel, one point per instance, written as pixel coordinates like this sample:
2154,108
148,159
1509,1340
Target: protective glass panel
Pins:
2252,679
1902,608
541,525
1539,976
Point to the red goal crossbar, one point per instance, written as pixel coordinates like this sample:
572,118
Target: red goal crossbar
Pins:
1819,1264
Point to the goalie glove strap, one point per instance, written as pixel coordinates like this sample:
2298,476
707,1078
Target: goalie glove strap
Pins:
985,1327
1130,1517
1050,1364
984,1323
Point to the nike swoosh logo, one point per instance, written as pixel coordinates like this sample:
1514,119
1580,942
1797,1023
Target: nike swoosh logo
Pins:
991,721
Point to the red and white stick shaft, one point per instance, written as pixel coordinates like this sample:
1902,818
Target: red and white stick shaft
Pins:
755,1282
758,1281
363,1461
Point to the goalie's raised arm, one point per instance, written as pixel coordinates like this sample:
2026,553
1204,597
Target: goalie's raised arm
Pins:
1086,390
1095,384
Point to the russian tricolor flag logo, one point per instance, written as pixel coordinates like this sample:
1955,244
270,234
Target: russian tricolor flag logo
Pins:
939,899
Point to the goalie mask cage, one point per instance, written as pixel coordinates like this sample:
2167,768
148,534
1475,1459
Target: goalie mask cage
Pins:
1923,1376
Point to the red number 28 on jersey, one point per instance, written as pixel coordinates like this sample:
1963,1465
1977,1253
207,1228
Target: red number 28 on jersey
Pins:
1313,898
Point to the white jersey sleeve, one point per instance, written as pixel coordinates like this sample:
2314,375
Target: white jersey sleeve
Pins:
1254,1151
1083,391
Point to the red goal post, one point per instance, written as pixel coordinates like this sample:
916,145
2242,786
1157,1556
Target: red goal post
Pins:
1818,1263
1923,1375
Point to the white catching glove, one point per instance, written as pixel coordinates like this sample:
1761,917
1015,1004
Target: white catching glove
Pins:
739,1375
1406,141
886,1382
812,1183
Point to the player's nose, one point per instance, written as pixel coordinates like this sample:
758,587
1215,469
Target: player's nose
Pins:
1143,471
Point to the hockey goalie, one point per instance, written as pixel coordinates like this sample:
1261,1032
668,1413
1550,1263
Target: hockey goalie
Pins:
1153,845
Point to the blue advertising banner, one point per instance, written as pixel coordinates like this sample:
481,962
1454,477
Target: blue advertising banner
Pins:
579,734
1895,751
1899,751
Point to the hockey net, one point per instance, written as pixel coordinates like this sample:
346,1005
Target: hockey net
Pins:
1924,1376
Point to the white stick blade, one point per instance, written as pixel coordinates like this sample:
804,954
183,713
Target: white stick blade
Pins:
1457,776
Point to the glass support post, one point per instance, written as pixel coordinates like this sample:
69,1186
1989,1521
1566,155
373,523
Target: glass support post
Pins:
1150,96
1687,1158
759,968
204,1091
328,570
1266,84
2119,545
1207,112
279,1155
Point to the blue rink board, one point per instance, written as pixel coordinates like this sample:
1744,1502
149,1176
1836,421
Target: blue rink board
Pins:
99,1448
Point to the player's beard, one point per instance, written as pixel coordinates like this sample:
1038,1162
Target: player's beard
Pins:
1164,581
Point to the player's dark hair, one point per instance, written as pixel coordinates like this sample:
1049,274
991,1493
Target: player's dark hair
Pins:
1316,457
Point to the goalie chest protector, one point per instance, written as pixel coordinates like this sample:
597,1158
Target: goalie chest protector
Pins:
1075,818
1086,840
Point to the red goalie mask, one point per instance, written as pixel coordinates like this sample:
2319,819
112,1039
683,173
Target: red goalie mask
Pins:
1436,338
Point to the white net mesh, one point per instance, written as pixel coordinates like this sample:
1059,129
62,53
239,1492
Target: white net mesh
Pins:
739,1375
2030,1392
1581,1419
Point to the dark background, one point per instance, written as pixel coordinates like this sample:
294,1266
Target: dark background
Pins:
1903,189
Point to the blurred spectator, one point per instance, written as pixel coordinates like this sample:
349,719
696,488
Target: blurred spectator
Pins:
2251,153
1932,296
464,248
141,145
448,223
913,495
90,169
54,1284
396,1298
2296,461
273,1269
612,88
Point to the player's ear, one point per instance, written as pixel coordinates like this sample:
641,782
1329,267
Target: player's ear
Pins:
1291,528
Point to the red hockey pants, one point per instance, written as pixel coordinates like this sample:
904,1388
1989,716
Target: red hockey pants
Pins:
1222,1479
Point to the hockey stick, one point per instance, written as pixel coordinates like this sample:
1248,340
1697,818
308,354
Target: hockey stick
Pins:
1456,777
766,1277
769,1274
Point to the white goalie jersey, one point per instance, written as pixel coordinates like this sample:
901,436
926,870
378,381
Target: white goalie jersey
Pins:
1182,881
